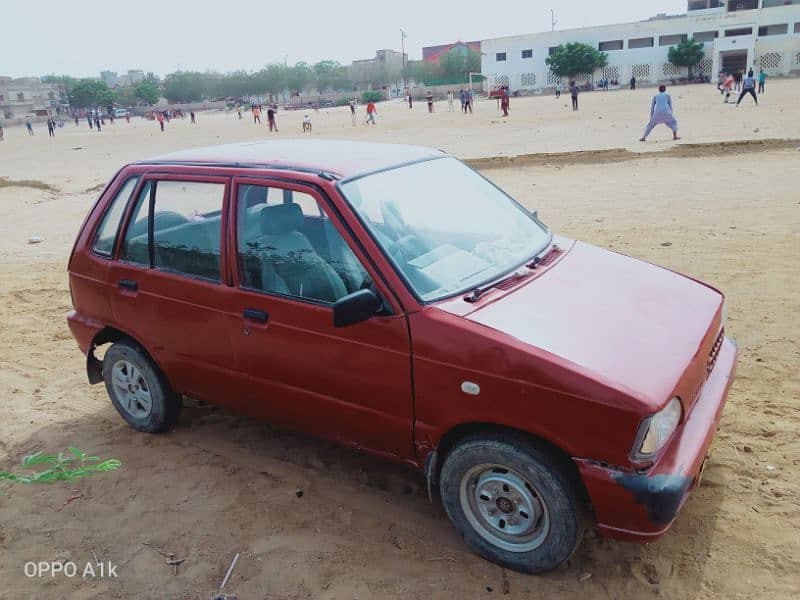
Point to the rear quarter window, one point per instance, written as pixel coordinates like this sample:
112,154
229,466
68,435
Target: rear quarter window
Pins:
106,234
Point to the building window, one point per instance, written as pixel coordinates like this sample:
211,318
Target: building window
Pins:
737,5
647,42
771,61
641,71
671,40
20,97
611,45
552,50
500,56
704,4
527,54
527,80
773,30
739,31
705,36
797,27
771,3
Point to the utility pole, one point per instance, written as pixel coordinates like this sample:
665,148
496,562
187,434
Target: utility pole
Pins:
403,56
552,20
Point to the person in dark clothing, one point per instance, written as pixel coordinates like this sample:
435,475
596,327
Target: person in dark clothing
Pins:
89,120
429,100
574,90
51,127
748,87
191,115
633,83
273,126
97,123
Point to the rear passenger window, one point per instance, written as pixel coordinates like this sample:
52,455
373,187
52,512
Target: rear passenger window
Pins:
106,234
187,227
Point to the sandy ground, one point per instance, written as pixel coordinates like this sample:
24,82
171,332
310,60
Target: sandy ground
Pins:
221,484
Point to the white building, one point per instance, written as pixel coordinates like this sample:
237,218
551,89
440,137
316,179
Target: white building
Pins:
738,34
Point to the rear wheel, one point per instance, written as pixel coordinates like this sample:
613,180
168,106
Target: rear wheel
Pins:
138,390
512,502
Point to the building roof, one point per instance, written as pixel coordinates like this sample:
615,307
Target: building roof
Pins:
434,53
338,157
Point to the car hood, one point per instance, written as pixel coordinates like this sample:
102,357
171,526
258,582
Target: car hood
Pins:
641,328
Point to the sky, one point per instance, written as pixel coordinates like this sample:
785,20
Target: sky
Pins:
84,38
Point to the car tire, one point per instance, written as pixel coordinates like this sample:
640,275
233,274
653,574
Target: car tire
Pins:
138,389
513,501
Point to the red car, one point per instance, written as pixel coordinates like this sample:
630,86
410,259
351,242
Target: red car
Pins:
392,299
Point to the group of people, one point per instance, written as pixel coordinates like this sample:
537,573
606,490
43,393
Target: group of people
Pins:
734,82
256,110
467,97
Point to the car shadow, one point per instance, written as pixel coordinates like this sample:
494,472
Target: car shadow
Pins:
221,476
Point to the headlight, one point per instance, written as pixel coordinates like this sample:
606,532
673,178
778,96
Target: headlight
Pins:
655,431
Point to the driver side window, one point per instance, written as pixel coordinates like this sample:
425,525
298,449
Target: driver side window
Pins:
292,248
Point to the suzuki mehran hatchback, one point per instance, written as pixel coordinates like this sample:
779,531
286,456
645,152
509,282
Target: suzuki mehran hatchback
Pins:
391,299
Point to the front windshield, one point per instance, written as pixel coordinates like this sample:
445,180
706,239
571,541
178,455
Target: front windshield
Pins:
445,227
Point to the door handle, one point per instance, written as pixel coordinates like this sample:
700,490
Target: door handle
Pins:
128,284
259,316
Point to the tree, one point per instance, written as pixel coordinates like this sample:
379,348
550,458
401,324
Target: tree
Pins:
274,78
146,92
687,54
185,86
456,65
330,75
299,77
576,58
91,92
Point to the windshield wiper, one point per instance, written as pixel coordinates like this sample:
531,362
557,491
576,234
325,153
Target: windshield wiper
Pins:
542,255
476,293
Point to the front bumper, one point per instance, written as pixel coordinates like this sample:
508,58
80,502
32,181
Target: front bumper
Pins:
641,506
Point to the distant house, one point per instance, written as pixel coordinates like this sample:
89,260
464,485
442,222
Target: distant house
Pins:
27,96
432,54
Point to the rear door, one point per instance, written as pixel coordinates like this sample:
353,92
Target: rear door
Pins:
294,259
170,284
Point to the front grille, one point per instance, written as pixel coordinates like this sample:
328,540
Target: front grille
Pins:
714,353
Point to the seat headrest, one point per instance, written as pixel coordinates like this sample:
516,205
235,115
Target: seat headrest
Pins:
281,218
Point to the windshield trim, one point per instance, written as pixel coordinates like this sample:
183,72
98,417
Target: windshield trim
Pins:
399,272
394,167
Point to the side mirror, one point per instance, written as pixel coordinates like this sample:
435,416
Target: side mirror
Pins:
356,307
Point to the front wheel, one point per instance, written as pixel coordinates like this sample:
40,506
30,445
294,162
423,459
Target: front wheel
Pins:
138,390
512,502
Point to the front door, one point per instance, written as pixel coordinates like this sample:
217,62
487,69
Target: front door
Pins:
350,384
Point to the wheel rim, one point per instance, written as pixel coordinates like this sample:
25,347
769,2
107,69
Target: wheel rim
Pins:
504,508
131,389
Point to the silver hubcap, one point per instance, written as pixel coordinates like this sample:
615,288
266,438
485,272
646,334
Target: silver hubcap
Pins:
504,508
131,389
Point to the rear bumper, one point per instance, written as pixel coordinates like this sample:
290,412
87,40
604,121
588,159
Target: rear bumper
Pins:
640,506
83,329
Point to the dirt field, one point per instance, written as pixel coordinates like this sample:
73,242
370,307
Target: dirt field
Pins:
219,484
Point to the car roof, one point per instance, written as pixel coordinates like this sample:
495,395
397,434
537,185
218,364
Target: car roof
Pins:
342,158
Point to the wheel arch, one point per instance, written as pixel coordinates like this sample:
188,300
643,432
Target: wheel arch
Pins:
112,335
458,433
